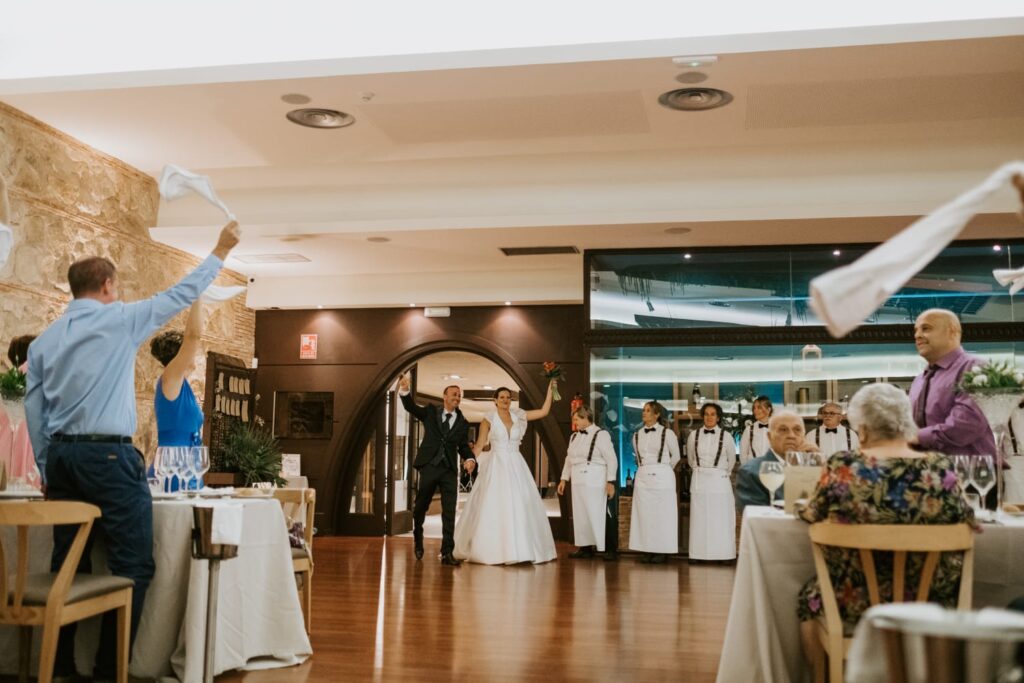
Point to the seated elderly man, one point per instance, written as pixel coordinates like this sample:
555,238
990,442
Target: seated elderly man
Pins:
785,433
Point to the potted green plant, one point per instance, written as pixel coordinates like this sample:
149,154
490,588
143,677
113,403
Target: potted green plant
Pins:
254,453
12,385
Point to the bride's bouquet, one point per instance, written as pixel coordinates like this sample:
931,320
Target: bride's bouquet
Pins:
553,371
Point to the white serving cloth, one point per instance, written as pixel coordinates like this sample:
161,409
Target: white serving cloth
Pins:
176,182
844,297
216,294
258,614
990,634
762,635
6,240
227,521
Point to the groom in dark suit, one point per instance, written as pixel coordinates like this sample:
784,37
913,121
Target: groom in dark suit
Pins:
445,439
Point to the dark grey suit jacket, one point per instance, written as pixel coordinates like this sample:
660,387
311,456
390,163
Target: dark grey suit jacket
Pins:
749,489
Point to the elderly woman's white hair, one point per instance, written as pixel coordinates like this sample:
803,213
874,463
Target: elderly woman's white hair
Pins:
883,411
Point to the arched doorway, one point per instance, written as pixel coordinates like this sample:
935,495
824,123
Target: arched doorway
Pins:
377,480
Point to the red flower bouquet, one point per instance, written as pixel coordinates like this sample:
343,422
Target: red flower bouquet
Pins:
553,371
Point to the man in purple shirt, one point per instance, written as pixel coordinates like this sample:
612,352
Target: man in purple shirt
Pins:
949,420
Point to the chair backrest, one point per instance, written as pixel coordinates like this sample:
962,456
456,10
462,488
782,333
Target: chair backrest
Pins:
899,539
26,514
292,501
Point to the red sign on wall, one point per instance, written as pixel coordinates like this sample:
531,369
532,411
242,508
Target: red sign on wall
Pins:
307,347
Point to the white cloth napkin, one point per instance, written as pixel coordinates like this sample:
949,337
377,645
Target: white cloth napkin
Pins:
6,240
175,182
216,294
227,521
844,297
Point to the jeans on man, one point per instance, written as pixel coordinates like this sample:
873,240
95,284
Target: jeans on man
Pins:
112,477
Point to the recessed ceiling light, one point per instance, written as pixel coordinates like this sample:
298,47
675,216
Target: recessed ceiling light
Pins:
412,305
320,118
454,376
378,240
487,386
694,61
678,230
695,99
508,303
295,98
320,306
996,247
687,256
836,252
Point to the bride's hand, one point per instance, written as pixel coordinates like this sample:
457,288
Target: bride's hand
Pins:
561,487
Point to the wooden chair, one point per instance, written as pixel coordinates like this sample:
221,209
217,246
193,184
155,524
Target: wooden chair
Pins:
899,540
53,600
292,502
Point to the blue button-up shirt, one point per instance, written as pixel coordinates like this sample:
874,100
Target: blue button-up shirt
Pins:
81,369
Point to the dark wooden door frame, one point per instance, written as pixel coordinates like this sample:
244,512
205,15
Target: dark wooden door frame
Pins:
344,467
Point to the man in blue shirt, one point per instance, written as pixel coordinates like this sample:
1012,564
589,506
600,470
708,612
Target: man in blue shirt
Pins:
80,408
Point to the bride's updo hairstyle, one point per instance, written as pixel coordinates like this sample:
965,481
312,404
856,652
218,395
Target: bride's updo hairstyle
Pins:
497,392
883,411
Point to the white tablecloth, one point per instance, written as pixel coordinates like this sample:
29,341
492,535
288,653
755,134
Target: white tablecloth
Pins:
762,635
258,613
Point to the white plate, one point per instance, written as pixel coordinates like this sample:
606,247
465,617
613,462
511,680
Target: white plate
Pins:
218,493
163,495
23,494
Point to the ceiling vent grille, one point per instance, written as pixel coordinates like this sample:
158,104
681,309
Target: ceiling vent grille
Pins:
538,251
271,258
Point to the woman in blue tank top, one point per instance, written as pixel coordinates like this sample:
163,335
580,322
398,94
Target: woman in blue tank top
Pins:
179,419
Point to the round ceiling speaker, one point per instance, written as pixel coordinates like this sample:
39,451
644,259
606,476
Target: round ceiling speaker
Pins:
320,118
695,99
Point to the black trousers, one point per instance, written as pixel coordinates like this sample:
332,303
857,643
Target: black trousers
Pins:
433,477
611,524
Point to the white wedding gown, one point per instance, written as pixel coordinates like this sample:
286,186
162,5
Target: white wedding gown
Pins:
504,520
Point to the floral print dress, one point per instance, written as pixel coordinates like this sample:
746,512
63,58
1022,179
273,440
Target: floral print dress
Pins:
861,489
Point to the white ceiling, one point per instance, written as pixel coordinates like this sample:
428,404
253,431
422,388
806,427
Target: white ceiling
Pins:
449,165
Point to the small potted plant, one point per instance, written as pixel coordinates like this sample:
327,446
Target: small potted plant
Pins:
254,454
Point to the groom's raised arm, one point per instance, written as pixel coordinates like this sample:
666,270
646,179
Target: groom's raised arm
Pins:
417,411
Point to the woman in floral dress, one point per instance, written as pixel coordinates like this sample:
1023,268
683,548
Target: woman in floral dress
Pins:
884,482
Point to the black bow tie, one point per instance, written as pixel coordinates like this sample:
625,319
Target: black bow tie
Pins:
709,431
648,430
832,430
762,425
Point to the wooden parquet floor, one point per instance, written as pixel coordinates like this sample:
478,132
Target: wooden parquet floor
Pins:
379,615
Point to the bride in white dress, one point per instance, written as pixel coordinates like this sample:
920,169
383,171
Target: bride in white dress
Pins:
504,520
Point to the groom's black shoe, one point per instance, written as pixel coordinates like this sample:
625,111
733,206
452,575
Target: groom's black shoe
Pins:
582,552
449,560
418,540
610,556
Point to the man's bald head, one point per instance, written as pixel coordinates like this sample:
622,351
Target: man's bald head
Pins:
936,333
785,432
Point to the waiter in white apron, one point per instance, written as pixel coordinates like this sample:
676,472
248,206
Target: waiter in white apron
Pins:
832,437
654,521
590,464
1013,452
711,452
754,439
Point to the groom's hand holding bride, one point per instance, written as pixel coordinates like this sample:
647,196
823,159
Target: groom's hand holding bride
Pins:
470,465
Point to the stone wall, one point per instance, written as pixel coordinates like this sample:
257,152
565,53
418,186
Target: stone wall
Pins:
69,200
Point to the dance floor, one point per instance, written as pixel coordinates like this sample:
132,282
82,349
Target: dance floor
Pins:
379,615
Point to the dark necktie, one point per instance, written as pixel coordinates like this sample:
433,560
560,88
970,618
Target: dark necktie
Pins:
445,427
709,431
921,414
762,425
832,430
648,430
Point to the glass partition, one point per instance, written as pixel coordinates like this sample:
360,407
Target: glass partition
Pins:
768,286
797,377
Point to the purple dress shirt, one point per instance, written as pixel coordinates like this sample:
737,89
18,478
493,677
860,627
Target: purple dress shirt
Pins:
953,424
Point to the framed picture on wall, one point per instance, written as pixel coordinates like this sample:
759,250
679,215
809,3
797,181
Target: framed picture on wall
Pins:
304,414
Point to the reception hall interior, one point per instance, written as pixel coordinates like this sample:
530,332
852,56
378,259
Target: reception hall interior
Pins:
511,342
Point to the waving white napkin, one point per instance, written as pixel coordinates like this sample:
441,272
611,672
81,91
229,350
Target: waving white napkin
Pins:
175,182
216,294
6,240
844,297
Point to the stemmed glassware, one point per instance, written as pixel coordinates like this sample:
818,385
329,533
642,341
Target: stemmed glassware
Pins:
200,456
772,475
983,475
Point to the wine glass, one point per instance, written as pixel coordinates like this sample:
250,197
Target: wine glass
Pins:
796,458
772,476
186,470
160,462
201,463
962,467
983,476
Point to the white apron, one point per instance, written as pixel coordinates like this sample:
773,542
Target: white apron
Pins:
589,503
712,515
654,521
